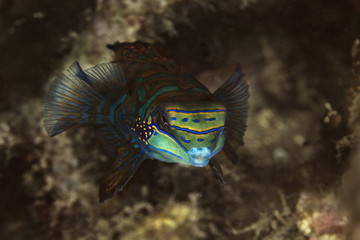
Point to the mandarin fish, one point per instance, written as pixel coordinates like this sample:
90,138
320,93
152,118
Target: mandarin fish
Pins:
144,106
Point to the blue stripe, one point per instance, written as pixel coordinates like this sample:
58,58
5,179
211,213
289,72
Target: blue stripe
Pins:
69,96
133,165
184,120
154,112
195,120
209,119
65,101
195,111
196,132
126,162
59,127
200,140
79,73
187,141
215,152
70,117
116,104
173,118
99,109
112,117
156,125
69,110
212,141
123,155
84,114
81,92
138,156
163,150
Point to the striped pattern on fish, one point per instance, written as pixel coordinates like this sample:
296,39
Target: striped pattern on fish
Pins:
145,106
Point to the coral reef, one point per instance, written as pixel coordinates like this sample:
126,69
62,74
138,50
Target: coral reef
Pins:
298,176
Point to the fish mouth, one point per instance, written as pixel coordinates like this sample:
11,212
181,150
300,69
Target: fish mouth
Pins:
199,162
199,157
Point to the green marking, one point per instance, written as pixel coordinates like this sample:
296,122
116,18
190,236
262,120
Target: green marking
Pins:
199,90
139,79
153,97
141,94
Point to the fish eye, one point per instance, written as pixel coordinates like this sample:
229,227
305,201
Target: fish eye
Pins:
164,120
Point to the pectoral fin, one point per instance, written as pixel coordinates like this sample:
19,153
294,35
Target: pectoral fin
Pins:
234,93
215,166
230,152
124,167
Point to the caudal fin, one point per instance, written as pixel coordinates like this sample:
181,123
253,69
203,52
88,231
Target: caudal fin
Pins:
80,98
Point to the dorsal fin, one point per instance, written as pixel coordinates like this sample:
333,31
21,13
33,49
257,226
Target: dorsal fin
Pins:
134,51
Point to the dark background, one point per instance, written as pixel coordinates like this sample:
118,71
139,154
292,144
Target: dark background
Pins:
297,176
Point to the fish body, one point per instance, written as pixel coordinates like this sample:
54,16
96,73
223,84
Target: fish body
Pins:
144,106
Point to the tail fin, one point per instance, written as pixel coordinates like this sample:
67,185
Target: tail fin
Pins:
234,93
80,97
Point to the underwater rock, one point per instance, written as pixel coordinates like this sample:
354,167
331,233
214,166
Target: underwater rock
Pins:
321,217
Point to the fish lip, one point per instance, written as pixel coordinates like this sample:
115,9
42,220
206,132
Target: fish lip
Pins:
199,162
199,157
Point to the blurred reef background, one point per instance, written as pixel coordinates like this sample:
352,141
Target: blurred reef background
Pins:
299,173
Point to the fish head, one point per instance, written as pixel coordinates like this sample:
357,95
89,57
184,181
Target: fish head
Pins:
189,133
